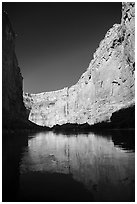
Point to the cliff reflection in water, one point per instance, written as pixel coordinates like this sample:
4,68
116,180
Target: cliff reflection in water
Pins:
105,170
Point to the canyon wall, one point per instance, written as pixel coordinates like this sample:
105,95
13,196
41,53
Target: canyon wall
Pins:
107,86
13,108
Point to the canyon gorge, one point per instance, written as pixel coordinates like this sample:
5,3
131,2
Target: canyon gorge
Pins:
76,143
104,89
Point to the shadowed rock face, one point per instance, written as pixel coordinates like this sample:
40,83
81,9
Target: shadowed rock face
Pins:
106,87
13,108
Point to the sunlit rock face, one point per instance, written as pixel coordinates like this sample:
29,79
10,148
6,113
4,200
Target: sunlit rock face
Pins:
12,95
106,87
48,108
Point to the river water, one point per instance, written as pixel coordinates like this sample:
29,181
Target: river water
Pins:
46,166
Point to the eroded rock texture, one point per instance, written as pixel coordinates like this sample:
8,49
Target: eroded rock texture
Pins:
13,108
106,87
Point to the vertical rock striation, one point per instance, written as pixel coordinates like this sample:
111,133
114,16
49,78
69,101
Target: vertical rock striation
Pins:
48,107
107,86
13,108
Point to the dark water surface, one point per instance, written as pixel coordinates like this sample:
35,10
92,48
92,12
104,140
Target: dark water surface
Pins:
46,166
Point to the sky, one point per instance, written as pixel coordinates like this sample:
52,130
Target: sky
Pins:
56,40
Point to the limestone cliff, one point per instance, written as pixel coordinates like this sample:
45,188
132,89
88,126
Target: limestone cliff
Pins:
107,86
13,108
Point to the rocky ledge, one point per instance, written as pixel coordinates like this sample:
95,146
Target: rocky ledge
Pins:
106,88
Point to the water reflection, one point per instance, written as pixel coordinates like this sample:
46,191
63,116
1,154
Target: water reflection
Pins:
104,169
